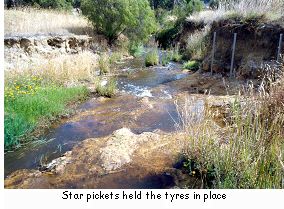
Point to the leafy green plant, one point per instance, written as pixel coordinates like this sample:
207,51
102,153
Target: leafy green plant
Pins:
27,105
191,65
133,18
136,49
152,57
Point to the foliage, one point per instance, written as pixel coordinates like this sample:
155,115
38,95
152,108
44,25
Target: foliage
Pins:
104,64
28,102
136,49
167,36
253,135
163,4
187,7
111,18
106,90
166,58
191,65
176,56
152,57
197,45
54,4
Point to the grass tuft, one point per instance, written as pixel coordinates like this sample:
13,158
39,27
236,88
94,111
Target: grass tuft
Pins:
152,57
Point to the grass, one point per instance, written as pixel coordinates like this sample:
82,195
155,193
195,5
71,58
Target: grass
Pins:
28,102
152,57
270,9
191,65
115,57
31,20
248,151
104,64
106,90
197,44
136,50
39,92
64,69
176,56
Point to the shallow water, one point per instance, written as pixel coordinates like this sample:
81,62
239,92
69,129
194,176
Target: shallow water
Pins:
100,117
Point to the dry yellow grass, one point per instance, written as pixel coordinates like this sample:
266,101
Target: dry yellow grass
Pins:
271,9
65,69
31,21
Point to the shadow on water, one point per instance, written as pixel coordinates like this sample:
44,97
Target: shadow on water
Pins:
99,118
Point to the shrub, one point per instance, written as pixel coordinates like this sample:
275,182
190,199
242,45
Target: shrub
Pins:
54,4
197,45
191,65
136,49
133,18
152,57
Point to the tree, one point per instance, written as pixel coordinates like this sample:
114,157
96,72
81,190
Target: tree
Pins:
134,18
54,4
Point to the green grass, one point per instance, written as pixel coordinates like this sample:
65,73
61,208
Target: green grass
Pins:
136,50
24,111
166,58
152,58
107,90
176,56
191,65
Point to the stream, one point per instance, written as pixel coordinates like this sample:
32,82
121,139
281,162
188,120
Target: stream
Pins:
99,117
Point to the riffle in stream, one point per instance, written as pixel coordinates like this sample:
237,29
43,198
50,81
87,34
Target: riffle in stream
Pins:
144,104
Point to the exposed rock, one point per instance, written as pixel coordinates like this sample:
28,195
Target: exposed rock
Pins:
120,147
136,160
42,44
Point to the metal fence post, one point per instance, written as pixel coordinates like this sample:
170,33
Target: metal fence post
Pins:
233,55
213,52
279,47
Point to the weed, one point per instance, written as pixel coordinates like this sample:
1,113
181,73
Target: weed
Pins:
191,65
197,45
104,64
27,103
106,90
152,57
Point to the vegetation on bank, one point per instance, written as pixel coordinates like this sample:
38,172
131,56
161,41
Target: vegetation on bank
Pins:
29,102
248,151
152,57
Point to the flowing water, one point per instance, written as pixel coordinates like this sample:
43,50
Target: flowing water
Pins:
99,117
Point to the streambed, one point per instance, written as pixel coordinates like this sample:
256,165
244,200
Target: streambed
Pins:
139,106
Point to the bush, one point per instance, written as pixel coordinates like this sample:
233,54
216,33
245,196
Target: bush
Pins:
135,19
54,4
152,57
191,65
197,45
136,49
